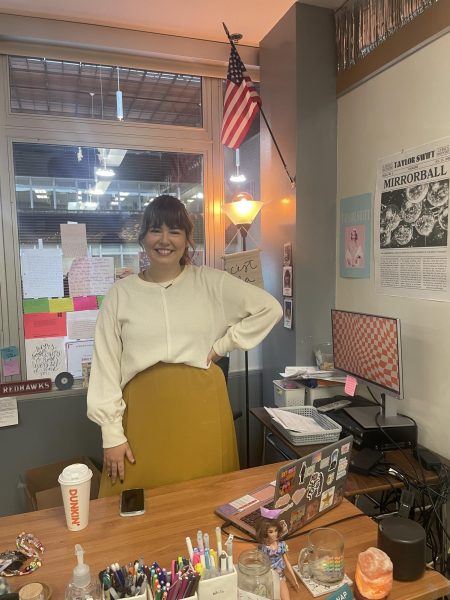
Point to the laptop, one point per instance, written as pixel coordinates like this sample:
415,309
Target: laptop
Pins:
304,489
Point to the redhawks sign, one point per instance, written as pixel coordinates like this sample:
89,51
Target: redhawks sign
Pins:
74,507
20,388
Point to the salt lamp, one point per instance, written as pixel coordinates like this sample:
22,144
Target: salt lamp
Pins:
373,576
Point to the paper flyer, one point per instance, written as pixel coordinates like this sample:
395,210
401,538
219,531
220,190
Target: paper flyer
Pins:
39,325
90,276
411,247
77,354
73,240
45,357
355,236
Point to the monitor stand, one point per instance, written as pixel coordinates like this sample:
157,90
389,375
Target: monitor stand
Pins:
374,417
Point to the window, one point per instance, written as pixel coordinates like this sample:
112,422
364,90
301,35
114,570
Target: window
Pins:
88,91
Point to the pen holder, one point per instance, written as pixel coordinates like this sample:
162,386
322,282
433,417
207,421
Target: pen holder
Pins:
223,586
150,596
147,595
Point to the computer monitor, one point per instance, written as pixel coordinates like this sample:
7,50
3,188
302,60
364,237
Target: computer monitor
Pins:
368,347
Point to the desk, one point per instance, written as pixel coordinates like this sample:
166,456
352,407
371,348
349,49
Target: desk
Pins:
356,483
174,512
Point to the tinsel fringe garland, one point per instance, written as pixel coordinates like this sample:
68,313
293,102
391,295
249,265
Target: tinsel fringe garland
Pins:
361,25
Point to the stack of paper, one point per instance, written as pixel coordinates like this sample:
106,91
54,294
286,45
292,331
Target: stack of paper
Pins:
310,372
295,422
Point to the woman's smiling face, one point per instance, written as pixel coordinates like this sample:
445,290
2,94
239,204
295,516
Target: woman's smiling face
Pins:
164,245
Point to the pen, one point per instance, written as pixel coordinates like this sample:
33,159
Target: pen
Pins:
219,540
206,541
223,563
230,553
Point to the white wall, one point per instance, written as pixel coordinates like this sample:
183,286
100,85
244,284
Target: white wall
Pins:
405,106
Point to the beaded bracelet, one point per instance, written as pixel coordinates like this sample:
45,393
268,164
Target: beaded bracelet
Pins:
24,541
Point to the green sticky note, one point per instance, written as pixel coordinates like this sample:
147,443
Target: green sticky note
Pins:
100,301
35,305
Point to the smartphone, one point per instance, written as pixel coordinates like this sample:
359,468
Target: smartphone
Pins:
132,502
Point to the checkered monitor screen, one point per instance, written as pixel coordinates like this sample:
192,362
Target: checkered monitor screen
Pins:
368,347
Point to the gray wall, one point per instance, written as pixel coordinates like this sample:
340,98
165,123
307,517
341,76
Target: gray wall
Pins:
299,98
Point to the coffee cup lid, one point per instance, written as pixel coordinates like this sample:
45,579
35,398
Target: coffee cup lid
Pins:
76,473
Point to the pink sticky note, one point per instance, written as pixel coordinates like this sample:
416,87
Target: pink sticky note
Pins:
85,303
350,385
11,366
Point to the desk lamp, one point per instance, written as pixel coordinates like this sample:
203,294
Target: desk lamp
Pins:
242,211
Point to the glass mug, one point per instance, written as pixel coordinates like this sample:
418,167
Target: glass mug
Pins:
323,558
255,574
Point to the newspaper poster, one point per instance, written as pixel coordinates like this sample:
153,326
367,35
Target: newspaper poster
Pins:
411,223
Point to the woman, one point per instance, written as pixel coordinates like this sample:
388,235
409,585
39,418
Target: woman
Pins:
154,388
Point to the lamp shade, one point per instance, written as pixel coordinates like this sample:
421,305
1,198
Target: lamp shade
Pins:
243,209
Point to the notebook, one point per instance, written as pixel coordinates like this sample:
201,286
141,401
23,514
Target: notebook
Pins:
303,490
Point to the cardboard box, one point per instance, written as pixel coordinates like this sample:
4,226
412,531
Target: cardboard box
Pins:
42,489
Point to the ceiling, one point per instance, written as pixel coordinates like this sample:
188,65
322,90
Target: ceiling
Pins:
200,19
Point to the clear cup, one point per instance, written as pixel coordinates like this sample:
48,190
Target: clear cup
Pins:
323,558
75,482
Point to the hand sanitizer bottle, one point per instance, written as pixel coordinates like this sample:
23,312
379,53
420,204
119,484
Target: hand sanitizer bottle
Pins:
82,586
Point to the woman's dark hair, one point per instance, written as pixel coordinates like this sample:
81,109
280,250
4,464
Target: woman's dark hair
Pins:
168,210
263,525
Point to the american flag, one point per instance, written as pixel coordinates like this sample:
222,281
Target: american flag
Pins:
241,104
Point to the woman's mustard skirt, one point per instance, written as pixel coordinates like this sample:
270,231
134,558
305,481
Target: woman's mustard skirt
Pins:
179,425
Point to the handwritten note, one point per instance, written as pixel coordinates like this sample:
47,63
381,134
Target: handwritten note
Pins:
245,266
45,357
73,239
8,412
81,325
42,273
90,276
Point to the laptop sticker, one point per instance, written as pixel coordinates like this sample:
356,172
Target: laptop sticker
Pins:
315,485
317,457
301,476
297,496
325,462
334,460
326,499
330,478
286,480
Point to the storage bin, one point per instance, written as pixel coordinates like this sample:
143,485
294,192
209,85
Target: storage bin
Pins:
331,430
288,396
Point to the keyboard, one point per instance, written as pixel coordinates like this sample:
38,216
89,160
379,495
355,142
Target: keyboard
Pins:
252,518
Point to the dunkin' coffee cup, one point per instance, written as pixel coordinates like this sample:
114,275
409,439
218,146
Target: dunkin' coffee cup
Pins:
75,482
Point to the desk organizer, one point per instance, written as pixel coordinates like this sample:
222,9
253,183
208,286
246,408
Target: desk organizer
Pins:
147,595
286,396
224,586
331,432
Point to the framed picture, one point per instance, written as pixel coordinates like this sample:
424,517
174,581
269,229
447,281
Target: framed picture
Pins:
287,313
287,254
287,280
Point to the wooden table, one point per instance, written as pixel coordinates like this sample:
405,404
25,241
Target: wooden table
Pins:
174,512
356,483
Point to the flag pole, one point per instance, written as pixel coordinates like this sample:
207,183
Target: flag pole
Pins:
291,179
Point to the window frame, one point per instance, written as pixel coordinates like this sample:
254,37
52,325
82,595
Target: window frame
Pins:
52,129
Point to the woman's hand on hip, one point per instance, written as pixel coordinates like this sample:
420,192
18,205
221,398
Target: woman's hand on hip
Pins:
212,357
114,461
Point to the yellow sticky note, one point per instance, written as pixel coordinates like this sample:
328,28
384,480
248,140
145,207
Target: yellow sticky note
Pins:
61,304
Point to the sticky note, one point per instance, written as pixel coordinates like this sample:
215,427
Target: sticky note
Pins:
43,325
60,305
85,303
350,385
35,305
100,301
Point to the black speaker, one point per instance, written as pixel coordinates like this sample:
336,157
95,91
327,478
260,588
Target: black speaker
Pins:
403,541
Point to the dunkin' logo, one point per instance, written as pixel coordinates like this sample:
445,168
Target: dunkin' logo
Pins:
74,506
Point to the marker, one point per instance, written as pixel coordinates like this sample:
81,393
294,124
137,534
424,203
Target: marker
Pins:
200,544
223,563
219,540
189,548
206,541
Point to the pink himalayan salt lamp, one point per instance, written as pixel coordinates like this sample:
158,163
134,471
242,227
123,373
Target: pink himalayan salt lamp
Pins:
373,576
